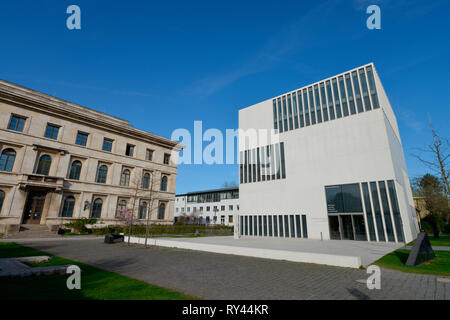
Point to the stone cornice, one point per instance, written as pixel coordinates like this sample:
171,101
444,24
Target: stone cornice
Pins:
43,103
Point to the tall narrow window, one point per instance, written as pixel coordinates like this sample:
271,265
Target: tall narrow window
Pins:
298,226
285,116
16,123
129,151
265,226
283,166
250,225
2,199
305,226
294,103
337,102
343,96
107,145
81,139
102,173
317,98
143,210
324,102
245,166
254,164
376,207
250,166
149,154
278,163
164,181
369,215
311,106
280,222
51,131
275,226
258,164
270,225
125,178
146,180
330,101
351,101
44,165
268,163
291,124
292,226
241,167
260,226
121,209
273,162
373,89
263,164
286,225
161,211
396,211
246,225
280,117
166,158
275,117
69,204
75,170
386,211
357,92
300,108
362,77
7,160
97,208
305,102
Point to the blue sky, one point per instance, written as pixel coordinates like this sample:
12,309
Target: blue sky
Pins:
163,65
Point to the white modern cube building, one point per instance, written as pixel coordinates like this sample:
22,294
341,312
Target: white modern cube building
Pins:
334,168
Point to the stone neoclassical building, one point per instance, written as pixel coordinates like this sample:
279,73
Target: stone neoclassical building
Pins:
61,161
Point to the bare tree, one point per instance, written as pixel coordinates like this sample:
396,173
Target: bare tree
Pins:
153,196
438,160
230,184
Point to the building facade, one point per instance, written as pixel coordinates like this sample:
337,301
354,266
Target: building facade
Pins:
209,207
61,161
333,167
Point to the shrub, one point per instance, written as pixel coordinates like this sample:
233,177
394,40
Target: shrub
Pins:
79,225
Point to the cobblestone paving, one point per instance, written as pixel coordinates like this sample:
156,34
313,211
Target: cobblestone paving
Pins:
217,276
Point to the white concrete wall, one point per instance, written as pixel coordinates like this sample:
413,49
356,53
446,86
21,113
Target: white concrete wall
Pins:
359,148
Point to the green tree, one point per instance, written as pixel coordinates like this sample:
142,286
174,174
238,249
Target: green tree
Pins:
431,189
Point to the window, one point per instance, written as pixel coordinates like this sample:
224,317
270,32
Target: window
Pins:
44,165
336,99
297,224
368,211
146,181
149,155
275,118
222,208
51,131
357,91
386,211
121,209
373,90
81,139
280,116
125,178
75,170
97,208
2,198
350,94
344,198
161,211
294,102
69,204
362,77
166,158
395,209
343,96
230,220
16,123
7,160
143,210
305,227
107,145
377,209
164,183
129,150
305,101
207,208
230,207
102,173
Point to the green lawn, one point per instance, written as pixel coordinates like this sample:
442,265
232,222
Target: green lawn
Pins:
96,283
443,240
396,260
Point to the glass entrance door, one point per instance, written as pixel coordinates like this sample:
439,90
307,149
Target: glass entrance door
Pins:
347,227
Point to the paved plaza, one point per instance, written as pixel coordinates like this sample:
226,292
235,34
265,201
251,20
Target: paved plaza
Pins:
219,276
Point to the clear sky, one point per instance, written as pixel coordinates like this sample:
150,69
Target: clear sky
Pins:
163,64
